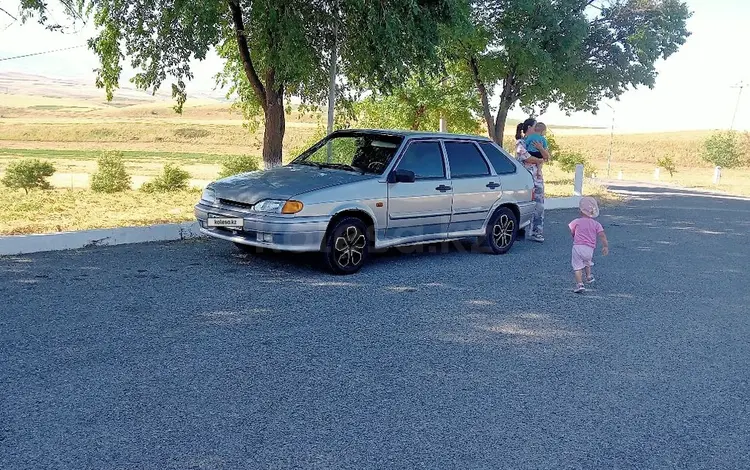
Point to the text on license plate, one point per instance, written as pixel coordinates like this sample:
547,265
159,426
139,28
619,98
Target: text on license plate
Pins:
224,222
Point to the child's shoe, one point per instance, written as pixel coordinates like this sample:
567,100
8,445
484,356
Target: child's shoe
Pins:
590,280
537,237
580,289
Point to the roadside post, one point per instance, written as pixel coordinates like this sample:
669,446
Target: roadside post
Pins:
578,181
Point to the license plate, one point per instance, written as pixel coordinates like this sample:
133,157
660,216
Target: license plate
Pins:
224,222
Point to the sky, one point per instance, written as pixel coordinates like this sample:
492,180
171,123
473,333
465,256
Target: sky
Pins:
694,89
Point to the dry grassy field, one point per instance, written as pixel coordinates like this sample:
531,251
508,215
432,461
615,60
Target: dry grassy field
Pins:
72,133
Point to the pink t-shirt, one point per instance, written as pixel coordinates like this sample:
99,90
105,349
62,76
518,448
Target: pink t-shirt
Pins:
585,231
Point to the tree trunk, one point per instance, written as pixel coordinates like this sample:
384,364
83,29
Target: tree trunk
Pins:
418,117
273,135
483,96
508,98
502,117
270,94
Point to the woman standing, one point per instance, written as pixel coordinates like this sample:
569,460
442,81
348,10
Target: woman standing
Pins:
534,166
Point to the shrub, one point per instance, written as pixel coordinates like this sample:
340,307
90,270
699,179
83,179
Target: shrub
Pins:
723,149
569,160
28,174
111,176
171,179
668,164
238,164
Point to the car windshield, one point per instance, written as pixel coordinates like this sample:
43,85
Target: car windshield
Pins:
363,153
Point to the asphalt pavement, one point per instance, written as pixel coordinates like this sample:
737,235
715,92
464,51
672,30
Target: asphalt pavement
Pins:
191,355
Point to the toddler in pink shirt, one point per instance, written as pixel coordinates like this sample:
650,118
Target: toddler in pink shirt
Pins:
585,231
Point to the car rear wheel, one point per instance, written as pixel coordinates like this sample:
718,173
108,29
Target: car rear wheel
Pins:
347,246
501,231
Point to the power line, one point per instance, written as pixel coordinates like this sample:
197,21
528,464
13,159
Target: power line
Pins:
7,13
39,53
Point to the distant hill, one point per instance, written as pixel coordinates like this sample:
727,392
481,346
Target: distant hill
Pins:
14,83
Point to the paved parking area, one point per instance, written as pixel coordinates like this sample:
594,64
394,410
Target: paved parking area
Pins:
191,355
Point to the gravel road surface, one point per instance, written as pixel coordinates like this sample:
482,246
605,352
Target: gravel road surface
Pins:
191,355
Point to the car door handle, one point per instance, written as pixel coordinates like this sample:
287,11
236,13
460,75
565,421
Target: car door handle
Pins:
443,188
493,185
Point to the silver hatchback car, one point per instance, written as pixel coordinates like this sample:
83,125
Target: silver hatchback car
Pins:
358,190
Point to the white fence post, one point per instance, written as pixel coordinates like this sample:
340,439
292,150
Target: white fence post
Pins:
443,125
717,175
656,174
578,182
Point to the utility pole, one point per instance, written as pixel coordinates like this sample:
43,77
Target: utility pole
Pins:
332,84
740,85
611,139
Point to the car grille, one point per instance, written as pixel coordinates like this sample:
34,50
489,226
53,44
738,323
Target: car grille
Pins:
231,203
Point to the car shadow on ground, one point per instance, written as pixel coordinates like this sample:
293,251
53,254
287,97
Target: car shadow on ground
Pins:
314,261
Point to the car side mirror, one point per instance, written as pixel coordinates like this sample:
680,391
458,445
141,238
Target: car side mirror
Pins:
402,176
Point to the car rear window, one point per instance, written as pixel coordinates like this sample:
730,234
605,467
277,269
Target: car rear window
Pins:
465,160
502,163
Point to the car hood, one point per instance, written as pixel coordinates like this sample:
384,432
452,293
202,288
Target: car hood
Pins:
282,182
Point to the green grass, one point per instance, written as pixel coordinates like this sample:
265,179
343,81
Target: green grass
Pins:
65,210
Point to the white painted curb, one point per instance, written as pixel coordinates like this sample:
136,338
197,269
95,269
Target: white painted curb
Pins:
24,244
562,203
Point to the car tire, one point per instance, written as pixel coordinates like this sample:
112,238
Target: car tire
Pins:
347,246
501,231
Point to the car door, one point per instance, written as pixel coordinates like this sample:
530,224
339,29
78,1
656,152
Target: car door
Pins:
475,187
420,210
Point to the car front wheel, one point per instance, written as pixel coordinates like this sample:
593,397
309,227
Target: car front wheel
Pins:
347,246
501,231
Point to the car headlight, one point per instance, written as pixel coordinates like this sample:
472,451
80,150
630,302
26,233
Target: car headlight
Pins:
275,206
209,195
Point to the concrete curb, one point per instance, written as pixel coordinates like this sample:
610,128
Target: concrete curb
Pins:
562,203
25,244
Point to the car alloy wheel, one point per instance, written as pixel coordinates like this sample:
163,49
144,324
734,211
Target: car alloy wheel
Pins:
502,231
347,246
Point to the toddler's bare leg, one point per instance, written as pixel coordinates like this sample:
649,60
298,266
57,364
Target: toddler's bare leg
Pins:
588,272
579,276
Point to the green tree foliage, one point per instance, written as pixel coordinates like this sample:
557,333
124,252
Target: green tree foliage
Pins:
238,164
668,164
422,100
275,49
569,160
570,52
723,149
111,176
171,179
28,174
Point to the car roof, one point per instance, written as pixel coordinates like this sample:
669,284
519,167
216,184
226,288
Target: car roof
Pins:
412,134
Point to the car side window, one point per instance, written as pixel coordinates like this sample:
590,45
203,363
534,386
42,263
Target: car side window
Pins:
425,159
465,160
501,162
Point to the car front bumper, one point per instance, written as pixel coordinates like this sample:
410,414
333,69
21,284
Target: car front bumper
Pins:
276,232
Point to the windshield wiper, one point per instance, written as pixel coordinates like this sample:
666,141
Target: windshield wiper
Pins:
310,163
343,166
